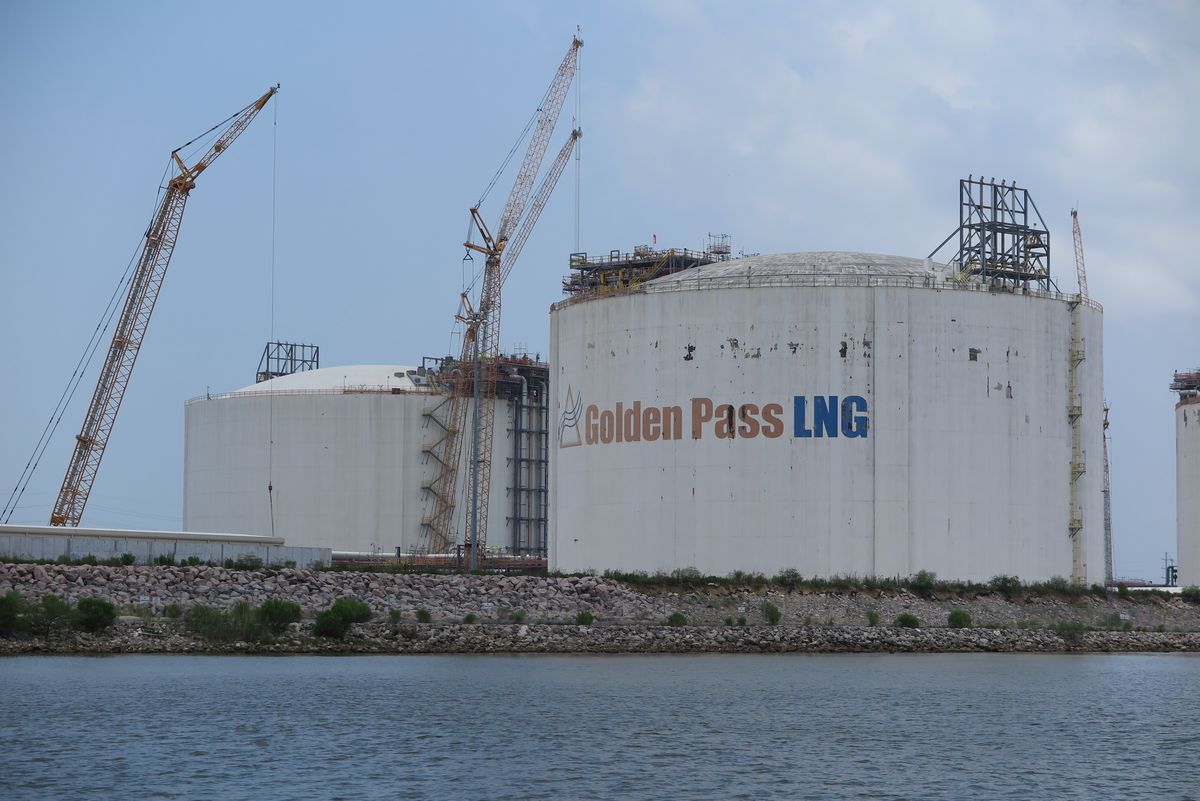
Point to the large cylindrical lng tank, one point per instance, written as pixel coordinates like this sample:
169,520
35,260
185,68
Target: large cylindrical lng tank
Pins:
831,413
1187,475
341,457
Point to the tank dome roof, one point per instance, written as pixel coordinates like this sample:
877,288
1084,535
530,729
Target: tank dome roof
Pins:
814,263
374,376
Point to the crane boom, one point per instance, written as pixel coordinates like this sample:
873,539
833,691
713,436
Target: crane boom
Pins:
1080,270
481,341
131,327
539,203
548,113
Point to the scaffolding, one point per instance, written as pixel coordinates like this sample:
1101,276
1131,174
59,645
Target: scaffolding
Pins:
1187,384
284,358
1002,238
619,270
524,382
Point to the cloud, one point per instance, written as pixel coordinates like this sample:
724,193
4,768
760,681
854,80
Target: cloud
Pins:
822,124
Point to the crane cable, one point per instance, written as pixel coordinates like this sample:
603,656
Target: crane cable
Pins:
271,396
81,368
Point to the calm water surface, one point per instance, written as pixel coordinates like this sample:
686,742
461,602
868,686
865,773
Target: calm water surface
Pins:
601,727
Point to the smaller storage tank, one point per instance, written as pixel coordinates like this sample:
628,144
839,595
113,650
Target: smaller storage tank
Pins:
338,457
1187,475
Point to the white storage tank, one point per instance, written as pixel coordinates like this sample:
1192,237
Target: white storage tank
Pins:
1187,475
344,452
832,413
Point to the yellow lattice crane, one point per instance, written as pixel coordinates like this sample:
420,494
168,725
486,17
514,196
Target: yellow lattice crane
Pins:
144,285
472,381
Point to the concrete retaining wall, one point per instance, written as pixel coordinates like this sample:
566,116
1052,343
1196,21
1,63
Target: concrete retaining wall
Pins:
52,543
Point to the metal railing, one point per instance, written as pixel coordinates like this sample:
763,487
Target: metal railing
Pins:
349,389
755,280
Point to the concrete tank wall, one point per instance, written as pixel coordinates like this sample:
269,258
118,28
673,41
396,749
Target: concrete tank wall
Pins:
957,457
1187,492
346,468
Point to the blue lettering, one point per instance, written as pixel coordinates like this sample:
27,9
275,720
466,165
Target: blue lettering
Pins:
853,423
825,416
802,430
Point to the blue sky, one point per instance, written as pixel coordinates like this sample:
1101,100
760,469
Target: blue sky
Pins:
791,126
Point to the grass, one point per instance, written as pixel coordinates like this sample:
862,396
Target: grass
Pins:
906,620
585,618
958,619
677,619
770,612
872,617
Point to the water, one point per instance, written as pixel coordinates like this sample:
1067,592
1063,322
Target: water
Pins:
601,727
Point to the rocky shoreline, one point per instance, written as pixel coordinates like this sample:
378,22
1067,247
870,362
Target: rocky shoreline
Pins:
137,637
532,614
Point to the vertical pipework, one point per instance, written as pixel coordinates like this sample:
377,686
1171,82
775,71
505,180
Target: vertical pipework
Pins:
519,486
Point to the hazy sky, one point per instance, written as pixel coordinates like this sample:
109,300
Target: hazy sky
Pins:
790,126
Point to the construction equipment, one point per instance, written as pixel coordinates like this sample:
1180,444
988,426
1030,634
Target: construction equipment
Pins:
1080,271
473,376
131,327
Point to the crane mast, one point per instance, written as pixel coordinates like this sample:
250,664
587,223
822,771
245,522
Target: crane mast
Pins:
481,340
1080,271
131,327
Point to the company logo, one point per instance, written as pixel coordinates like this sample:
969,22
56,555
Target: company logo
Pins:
568,423
812,417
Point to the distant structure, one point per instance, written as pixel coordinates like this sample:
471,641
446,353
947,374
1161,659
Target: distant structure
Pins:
1187,474
284,358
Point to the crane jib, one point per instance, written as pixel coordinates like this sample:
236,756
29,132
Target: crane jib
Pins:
144,287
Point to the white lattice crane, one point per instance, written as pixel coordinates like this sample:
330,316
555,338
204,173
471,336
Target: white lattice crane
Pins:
1080,270
473,377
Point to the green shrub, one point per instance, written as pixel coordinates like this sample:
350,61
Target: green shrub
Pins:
741,621
50,614
789,578
13,621
728,621
165,559
276,615
1069,629
246,561
907,620
1191,594
872,617
128,559
240,623
923,582
1058,584
207,622
423,616
770,612
191,561
677,619
958,619
687,575
518,616
94,614
395,615
330,624
1005,585
469,618
585,618
173,611
354,610
808,621
1123,590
